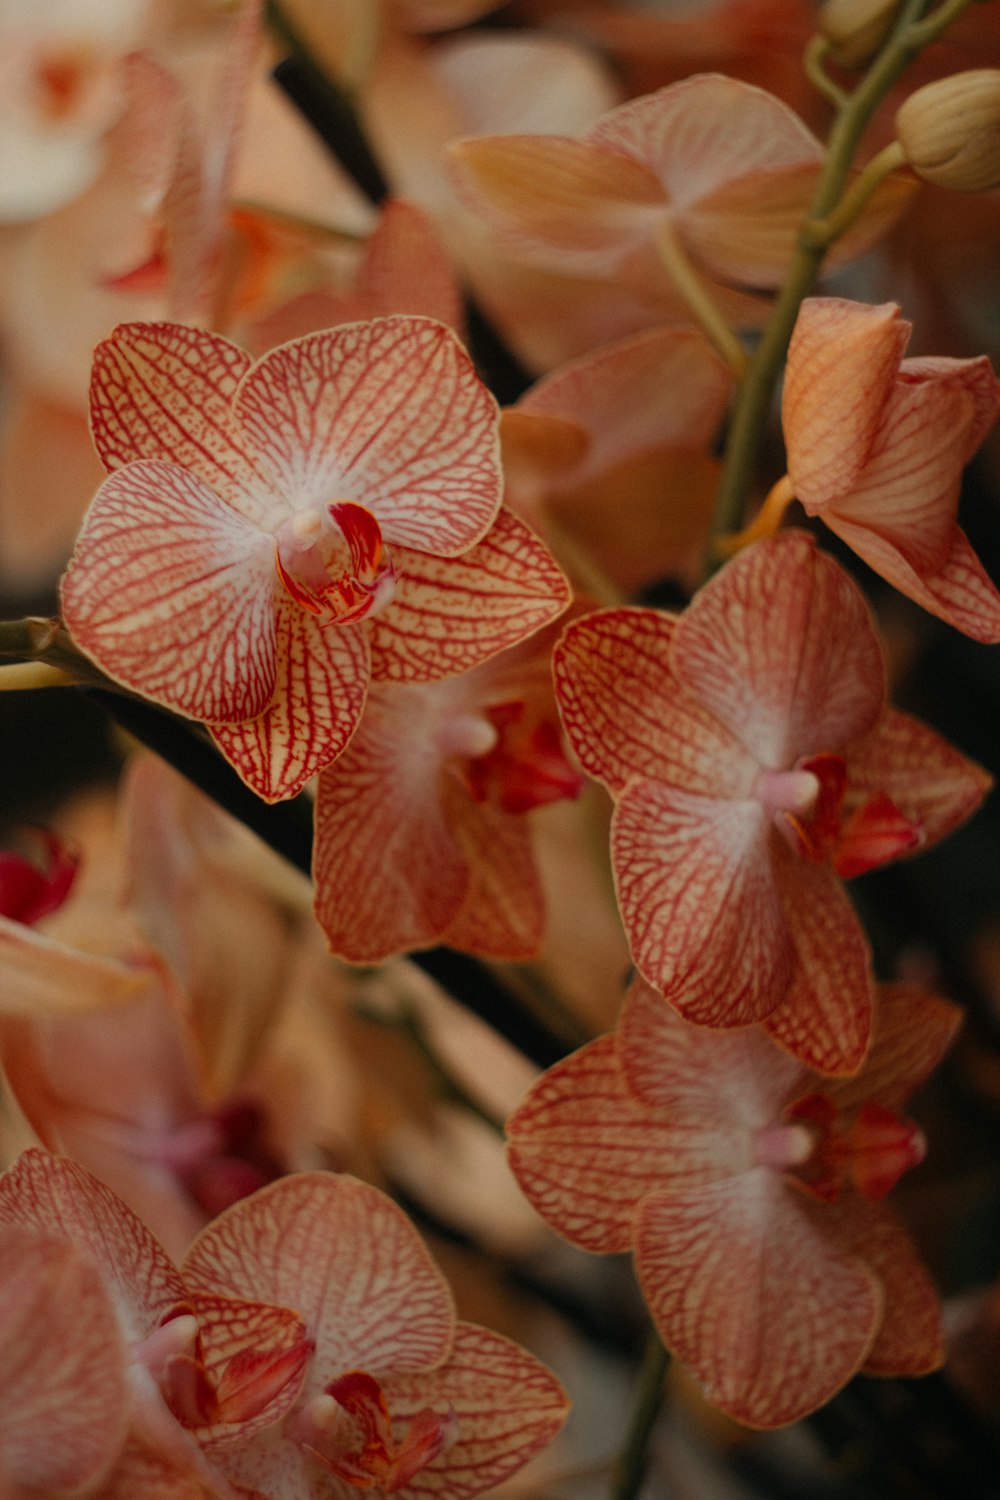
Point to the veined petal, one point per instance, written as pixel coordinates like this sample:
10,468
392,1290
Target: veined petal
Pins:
744,1286
406,268
255,1356
910,1340
627,715
698,898
842,362
346,1258
960,591
41,977
825,1019
933,784
449,614
502,915
585,1152
389,872
389,414
975,376
164,391
913,1030
574,205
508,1406
780,646
171,592
319,695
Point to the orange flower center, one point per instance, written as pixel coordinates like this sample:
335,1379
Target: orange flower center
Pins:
518,760
349,1430
334,563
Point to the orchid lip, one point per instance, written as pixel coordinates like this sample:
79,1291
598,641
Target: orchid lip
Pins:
333,562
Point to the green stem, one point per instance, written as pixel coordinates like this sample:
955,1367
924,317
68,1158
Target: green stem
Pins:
816,55
699,300
44,640
746,432
630,1469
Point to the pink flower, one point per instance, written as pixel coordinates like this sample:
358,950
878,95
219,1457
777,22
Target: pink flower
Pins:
754,765
876,446
203,1371
421,828
749,1192
272,535
399,1397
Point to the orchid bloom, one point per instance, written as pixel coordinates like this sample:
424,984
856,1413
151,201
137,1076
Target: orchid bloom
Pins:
63,1418
709,177
754,766
421,834
204,1371
613,450
749,1190
325,515
876,445
400,1398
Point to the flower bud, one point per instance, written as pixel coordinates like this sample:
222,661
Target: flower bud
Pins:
950,131
856,29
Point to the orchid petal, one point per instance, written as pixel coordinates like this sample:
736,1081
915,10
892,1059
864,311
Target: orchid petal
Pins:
164,391
744,1287
380,809
975,376
255,1355
43,978
502,915
934,785
406,268
346,1258
507,1406
450,614
171,592
626,714
697,894
825,1019
910,1339
389,414
780,646
913,1030
319,695
585,1152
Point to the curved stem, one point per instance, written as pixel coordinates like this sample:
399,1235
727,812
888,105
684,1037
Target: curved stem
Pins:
816,54
825,232
631,1466
699,300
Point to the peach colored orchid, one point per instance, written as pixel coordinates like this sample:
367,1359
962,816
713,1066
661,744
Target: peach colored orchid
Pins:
421,833
710,171
400,1398
749,1192
204,1371
63,1418
876,446
323,516
613,451
754,765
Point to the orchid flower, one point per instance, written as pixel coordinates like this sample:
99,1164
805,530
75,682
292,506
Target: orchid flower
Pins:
204,1371
749,1190
754,766
400,1398
421,833
325,515
876,446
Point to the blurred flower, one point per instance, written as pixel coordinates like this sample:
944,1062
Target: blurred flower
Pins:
754,766
749,1192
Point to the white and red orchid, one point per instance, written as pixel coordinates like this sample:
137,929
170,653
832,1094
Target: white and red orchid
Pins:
327,514
876,446
421,834
203,1371
400,1398
749,1190
754,764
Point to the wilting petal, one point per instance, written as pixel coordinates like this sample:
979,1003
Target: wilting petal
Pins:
389,873
913,1030
744,1286
65,1402
698,898
626,714
502,915
450,614
319,695
388,414
164,391
341,1254
932,783
508,1406
40,977
172,594
585,1152
825,1019
780,645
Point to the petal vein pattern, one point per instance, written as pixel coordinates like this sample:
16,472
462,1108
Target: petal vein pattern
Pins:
172,593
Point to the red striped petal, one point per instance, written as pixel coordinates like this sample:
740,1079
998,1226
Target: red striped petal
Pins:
502,915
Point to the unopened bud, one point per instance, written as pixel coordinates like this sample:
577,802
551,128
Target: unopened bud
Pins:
856,29
950,131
